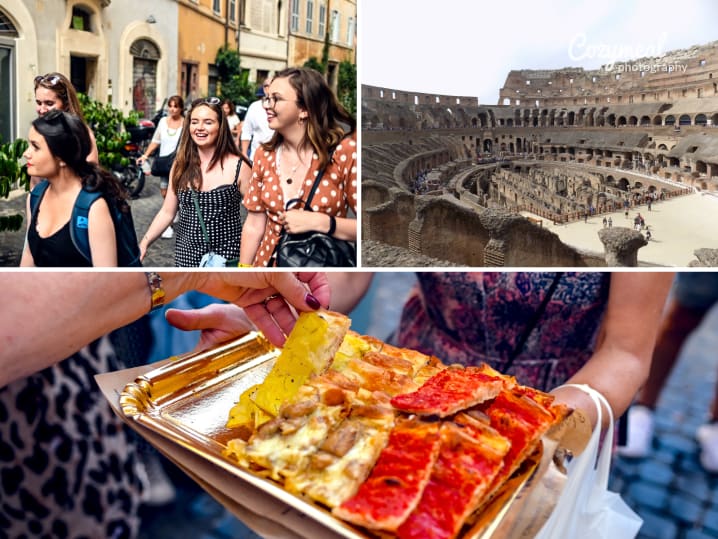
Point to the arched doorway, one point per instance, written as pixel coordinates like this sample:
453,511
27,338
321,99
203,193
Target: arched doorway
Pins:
8,34
145,55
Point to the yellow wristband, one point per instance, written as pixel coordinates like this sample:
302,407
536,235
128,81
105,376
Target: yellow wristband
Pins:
240,265
157,293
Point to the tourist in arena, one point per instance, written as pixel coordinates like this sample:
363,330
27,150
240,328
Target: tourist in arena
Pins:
308,138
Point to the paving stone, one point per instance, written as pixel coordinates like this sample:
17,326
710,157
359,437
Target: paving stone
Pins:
684,508
693,484
710,520
657,527
678,443
648,495
656,472
700,534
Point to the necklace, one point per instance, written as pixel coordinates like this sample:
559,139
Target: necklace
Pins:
289,179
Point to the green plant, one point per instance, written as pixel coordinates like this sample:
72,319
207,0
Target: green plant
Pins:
313,63
347,86
107,123
11,171
234,81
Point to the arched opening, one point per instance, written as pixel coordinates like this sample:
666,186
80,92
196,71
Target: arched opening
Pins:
610,120
657,120
670,120
623,184
621,120
488,145
701,167
701,119
714,119
684,120
145,55
8,34
632,120
645,120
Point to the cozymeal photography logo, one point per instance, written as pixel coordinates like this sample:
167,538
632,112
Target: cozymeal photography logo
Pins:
585,50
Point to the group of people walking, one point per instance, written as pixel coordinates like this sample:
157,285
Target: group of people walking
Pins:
210,179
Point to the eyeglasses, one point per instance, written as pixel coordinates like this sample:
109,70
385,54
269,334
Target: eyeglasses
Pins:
206,101
271,100
52,80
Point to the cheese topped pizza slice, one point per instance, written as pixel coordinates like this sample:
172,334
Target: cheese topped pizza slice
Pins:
346,456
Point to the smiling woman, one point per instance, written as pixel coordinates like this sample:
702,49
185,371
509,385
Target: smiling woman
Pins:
304,179
205,186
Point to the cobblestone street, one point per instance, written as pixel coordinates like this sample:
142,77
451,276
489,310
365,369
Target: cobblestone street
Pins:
144,208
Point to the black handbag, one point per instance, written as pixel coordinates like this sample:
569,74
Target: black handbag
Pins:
162,164
313,249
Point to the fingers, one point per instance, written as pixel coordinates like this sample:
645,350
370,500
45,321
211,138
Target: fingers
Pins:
294,290
266,323
218,323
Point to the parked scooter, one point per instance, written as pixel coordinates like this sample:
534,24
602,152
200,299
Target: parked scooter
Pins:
131,176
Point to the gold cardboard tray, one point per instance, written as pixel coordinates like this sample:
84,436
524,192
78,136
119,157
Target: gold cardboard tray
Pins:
187,401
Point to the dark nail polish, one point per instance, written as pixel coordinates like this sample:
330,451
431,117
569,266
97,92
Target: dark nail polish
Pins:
312,302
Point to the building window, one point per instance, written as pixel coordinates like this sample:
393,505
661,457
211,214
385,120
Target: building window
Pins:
335,26
294,22
322,19
80,20
310,16
216,6
233,10
350,32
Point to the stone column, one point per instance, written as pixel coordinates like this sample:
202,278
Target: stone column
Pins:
621,245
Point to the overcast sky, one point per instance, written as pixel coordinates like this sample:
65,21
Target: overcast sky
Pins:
467,47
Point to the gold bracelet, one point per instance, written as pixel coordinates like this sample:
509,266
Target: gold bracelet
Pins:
157,293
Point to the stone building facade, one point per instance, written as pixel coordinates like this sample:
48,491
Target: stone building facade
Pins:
554,149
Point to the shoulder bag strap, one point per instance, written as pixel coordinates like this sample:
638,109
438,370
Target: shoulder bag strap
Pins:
201,219
80,223
521,342
315,186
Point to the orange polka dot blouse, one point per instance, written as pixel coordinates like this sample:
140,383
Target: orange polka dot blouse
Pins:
337,191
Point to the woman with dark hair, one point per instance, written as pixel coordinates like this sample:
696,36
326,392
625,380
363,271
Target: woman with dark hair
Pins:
312,133
166,138
233,121
205,188
59,145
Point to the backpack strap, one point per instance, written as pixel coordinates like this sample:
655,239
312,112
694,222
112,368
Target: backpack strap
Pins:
79,223
36,196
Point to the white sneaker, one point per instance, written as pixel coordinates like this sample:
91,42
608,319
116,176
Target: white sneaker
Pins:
640,432
707,436
168,233
159,489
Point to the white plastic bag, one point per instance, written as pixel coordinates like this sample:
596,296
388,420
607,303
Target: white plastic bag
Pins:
586,508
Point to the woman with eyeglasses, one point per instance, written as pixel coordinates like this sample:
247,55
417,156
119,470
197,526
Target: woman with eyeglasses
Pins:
59,144
308,138
205,187
55,92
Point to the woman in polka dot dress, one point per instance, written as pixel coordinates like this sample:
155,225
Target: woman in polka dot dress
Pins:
305,116
207,167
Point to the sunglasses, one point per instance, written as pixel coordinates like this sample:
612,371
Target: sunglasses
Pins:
206,101
52,80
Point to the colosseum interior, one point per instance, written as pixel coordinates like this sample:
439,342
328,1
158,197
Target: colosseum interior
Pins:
450,181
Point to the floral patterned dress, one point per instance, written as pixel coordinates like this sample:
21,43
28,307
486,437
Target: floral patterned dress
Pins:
468,318
336,193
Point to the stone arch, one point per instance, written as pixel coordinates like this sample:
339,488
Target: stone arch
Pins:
701,167
685,119
657,120
611,120
621,120
623,184
633,120
670,120
645,120
700,119
714,119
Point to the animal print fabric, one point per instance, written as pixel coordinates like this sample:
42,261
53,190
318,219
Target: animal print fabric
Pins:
67,466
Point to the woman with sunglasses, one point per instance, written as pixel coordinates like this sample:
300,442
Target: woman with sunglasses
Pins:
59,146
205,187
308,138
55,92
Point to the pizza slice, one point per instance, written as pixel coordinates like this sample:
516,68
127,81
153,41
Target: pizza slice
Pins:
344,459
470,457
309,350
450,391
396,482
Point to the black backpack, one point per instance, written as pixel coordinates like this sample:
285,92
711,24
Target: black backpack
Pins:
128,252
